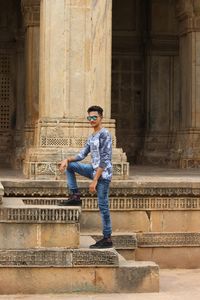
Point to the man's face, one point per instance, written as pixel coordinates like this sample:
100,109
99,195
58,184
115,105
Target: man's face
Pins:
94,118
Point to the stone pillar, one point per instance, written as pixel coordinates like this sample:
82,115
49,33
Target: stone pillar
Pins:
31,13
162,82
188,137
75,72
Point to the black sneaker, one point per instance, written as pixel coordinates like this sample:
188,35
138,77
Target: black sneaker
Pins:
102,244
74,200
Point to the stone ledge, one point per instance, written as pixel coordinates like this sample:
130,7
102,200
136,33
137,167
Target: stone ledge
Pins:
58,258
168,239
119,188
128,241
128,203
39,214
125,241
128,277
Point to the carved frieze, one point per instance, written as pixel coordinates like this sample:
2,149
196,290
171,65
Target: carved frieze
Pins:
58,258
35,258
39,215
175,239
119,189
129,203
95,257
124,241
50,170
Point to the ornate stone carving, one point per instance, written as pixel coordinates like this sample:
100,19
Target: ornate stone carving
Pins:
44,170
58,258
67,132
39,215
35,258
124,241
31,12
129,203
175,239
95,257
121,190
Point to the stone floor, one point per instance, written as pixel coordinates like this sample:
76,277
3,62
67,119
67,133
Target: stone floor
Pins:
174,285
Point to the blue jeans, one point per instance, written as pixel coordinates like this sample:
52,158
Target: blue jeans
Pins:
102,191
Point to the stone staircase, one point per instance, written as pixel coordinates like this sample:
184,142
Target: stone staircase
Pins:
152,221
42,250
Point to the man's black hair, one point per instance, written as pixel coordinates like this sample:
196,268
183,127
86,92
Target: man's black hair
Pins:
95,108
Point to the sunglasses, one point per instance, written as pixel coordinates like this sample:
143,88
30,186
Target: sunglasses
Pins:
92,118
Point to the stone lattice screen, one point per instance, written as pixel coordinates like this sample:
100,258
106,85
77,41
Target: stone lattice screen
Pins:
6,103
5,88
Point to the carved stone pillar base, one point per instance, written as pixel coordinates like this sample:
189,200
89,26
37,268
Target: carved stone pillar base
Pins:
186,152
58,138
157,149
24,139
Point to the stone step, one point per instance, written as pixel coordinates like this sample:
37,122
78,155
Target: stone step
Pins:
23,226
167,249
74,270
58,257
134,214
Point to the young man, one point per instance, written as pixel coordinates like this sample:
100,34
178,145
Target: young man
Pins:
99,145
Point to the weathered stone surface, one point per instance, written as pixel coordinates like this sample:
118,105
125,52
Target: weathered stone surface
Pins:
25,226
36,258
137,275
125,241
95,257
129,203
174,221
119,188
166,239
130,221
131,277
1,192
30,214
174,257
58,257
32,235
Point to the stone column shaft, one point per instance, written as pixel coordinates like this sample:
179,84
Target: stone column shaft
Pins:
75,47
188,142
31,12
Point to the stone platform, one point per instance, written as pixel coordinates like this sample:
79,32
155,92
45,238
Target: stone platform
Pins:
80,270
155,213
40,249
23,226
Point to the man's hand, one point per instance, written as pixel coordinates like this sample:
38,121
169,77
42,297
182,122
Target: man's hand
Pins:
63,165
92,186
